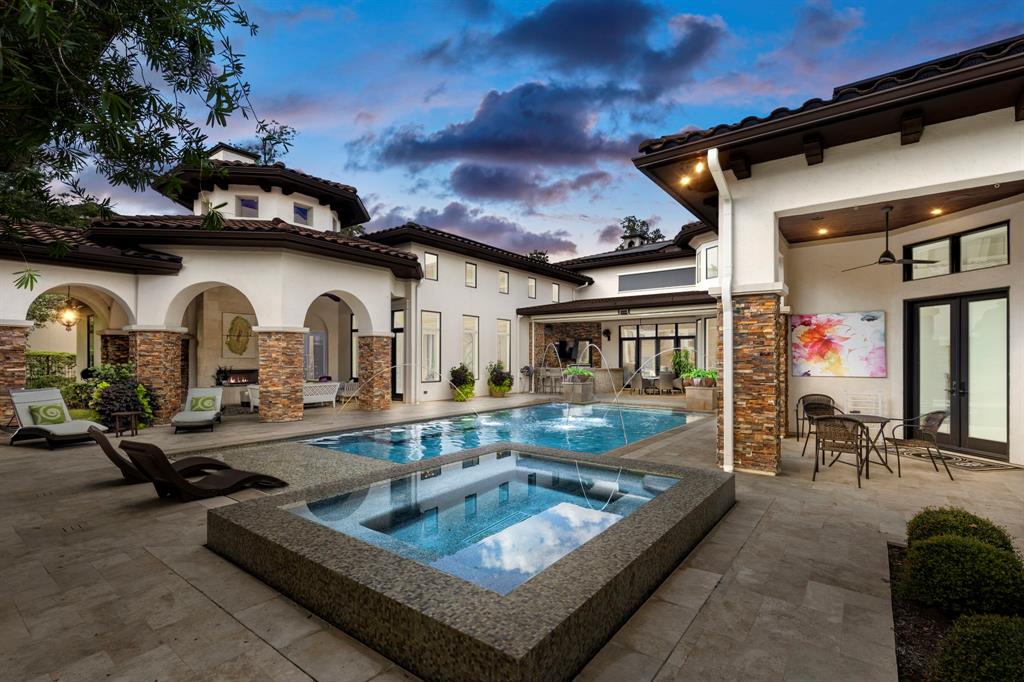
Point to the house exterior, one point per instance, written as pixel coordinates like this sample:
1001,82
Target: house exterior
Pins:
801,196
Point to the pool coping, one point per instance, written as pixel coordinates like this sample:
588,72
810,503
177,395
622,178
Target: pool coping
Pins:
441,627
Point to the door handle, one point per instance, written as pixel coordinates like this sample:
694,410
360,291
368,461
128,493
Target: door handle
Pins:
963,388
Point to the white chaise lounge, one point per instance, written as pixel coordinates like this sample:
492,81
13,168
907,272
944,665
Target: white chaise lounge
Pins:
200,411
313,393
42,413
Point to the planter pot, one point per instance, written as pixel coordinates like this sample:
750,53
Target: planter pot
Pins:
498,392
578,392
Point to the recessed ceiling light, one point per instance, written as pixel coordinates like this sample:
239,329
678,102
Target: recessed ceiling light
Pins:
699,168
822,230
996,185
936,211
685,180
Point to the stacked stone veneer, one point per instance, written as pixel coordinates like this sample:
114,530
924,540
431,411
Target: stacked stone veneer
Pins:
114,348
759,382
546,334
156,355
13,341
281,376
374,373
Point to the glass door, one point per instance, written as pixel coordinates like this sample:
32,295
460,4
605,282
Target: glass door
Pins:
397,354
958,362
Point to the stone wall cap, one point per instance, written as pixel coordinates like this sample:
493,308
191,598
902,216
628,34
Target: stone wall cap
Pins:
388,334
16,323
272,330
154,328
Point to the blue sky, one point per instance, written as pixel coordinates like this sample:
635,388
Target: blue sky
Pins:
514,122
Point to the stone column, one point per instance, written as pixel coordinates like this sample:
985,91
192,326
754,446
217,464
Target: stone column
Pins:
281,374
13,342
374,372
758,383
156,354
114,346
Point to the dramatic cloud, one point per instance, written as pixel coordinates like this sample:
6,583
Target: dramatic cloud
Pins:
477,9
504,183
610,234
474,223
533,123
125,201
820,27
608,38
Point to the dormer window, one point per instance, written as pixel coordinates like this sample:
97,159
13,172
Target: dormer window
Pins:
302,215
248,207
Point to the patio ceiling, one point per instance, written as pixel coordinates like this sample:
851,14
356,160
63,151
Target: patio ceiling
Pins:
867,218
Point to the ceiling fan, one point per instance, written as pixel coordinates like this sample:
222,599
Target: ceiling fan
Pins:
888,257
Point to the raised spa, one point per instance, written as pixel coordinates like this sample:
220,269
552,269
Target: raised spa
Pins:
484,565
580,428
495,520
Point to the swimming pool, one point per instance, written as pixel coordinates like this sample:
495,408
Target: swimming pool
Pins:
594,428
496,520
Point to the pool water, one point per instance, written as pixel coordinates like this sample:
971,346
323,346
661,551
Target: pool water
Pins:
594,428
495,520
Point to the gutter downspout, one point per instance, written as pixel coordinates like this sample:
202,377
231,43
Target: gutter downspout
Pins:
725,230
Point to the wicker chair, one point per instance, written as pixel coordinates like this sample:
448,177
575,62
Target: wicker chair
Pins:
924,430
805,400
840,436
814,411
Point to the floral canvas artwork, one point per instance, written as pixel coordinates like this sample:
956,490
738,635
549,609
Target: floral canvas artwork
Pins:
838,344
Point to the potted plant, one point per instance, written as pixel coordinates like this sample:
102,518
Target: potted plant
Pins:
578,385
682,366
463,382
708,378
221,375
499,380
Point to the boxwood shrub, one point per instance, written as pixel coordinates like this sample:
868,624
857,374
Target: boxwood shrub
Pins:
963,575
983,647
933,521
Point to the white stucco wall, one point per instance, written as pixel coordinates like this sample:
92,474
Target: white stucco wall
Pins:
272,204
816,284
606,280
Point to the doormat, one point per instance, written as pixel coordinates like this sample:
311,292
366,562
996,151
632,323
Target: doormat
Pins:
968,463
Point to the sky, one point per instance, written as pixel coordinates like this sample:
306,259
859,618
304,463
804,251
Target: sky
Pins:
514,122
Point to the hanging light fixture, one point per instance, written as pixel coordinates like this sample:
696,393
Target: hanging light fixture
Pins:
69,315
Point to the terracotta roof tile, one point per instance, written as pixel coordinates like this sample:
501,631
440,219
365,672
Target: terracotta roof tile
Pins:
36,239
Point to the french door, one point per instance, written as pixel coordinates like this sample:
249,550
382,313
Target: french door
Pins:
957,360
397,354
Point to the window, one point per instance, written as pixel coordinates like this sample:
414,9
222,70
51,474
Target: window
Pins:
711,262
315,356
659,279
710,343
556,292
354,347
505,342
502,282
531,287
248,207
985,247
471,275
471,343
430,265
645,350
430,346
302,215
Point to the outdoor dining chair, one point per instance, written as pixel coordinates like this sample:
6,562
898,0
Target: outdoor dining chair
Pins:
814,411
923,436
805,400
838,436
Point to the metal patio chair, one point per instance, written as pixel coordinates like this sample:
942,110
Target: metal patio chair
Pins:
923,436
804,400
814,411
838,436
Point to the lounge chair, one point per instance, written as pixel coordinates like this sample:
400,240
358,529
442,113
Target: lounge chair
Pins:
187,467
152,461
200,411
42,413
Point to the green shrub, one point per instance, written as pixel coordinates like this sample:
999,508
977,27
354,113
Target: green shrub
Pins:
78,396
123,395
463,382
578,374
48,381
113,371
91,415
47,362
963,575
933,521
985,647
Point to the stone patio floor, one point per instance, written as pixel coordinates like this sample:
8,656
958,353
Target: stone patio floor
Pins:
103,581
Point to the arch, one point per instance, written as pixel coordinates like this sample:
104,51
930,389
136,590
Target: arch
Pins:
91,295
358,308
180,301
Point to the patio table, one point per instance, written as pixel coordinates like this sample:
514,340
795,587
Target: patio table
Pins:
869,420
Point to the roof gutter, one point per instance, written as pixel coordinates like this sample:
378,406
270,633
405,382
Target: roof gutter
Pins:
725,243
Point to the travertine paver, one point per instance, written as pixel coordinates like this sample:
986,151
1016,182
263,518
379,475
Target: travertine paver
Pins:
103,581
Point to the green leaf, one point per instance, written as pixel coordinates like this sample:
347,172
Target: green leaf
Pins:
26,279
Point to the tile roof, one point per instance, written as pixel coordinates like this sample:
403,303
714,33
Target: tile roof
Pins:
592,305
36,239
280,167
677,247
914,74
414,232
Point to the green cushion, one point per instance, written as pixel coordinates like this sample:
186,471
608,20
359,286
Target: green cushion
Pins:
51,413
202,403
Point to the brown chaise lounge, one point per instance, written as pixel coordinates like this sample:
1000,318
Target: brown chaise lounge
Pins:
187,467
152,461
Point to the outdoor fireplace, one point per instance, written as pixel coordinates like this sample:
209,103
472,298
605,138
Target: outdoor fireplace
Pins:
241,377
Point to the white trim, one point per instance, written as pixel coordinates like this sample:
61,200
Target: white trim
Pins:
388,334
154,328
725,258
17,323
298,330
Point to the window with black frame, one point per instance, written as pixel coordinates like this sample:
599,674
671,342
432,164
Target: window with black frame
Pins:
646,349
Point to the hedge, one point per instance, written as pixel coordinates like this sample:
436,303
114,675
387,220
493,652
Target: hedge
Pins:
933,521
963,575
984,647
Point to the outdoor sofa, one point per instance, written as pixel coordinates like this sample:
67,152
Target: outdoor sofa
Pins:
313,393
42,413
